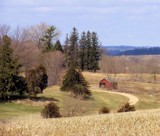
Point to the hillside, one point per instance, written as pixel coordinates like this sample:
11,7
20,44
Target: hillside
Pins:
142,51
119,124
64,101
139,122
114,50
130,50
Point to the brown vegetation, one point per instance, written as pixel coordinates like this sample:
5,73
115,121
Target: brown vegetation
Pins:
53,62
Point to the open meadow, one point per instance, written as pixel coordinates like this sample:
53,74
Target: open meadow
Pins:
64,101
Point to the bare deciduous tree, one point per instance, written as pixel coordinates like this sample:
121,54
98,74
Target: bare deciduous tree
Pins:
4,30
53,62
29,56
37,32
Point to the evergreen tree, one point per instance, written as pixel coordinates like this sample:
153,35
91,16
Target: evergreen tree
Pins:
82,51
72,48
95,53
75,83
48,39
85,53
58,46
88,51
66,50
10,81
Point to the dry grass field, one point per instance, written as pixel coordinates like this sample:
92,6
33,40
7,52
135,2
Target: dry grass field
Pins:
115,124
147,92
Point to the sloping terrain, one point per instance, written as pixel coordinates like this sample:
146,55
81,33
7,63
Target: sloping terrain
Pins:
118,124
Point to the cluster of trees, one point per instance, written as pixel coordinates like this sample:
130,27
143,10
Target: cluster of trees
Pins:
27,57
37,54
36,45
85,52
81,54
130,64
11,82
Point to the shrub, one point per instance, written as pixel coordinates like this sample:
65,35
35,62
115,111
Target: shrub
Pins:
51,110
127,108
104,110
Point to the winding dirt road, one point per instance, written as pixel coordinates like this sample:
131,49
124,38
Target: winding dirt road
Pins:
132,99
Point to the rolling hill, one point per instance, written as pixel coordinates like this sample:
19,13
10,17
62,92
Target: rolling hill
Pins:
130,50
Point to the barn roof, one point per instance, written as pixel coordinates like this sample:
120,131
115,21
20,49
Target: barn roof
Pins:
107,79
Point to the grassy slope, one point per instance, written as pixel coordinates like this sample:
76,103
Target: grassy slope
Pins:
92,106
100,99
9,110
117,124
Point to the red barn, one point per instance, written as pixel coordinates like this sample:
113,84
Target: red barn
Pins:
108,85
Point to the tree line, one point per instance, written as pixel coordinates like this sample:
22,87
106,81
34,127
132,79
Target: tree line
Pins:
32,58
12,84
85,52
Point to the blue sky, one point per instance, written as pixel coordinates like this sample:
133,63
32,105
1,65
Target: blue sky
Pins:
117,22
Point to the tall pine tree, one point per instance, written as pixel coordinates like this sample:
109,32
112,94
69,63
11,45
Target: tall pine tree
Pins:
10,81
71,49
66,50
95,53
48,39
82,51
88,51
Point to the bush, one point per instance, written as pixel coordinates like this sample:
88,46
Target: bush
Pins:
51,110
104,110
127,108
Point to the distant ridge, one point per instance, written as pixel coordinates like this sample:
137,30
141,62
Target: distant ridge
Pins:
142,51
130,50
115,50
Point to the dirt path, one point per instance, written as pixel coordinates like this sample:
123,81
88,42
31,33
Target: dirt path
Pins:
132,99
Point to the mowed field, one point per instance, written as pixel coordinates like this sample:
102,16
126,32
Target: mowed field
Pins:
64,101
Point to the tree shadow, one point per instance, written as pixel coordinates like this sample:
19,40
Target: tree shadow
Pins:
35,99
43,99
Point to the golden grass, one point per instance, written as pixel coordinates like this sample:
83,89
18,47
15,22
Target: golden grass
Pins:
119,124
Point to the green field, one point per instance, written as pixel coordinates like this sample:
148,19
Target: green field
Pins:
99,99
8,110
